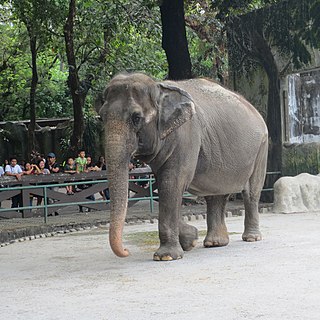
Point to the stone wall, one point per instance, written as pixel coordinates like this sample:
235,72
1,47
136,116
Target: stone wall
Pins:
14,140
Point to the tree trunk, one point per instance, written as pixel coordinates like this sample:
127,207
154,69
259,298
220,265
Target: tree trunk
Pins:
32,102
73,81
274,123
268,62
174,40
265,57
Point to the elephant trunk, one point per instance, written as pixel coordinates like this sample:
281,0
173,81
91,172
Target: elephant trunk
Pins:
117,159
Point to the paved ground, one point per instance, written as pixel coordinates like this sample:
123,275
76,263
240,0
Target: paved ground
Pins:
76,276
13,229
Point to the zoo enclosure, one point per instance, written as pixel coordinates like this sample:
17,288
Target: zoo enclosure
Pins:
45,186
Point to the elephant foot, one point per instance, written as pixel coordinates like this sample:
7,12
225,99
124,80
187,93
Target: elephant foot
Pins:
216,240
188,236
251,236
168,253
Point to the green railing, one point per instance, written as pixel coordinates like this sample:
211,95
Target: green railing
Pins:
47,205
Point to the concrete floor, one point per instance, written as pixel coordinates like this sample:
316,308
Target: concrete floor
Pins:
76,276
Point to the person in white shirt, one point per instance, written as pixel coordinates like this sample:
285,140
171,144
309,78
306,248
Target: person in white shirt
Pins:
1,171
14,170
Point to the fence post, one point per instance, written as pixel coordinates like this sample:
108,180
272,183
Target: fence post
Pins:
45,202
151,194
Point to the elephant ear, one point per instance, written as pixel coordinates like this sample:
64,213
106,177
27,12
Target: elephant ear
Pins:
175,108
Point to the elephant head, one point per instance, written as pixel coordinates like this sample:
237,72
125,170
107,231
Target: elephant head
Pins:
138,114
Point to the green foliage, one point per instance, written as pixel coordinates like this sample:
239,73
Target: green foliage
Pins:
206,20
109,37
91,132
299,158
288,26
227,8
116,35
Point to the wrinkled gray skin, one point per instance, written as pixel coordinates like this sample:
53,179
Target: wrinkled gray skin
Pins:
196,136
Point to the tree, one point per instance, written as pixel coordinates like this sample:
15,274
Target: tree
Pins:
34,15
73,80
287,26
174,40
13,69
28,11
207,19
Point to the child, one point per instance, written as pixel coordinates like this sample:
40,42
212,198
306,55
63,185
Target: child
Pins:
70,167
29,168
40,169
81,162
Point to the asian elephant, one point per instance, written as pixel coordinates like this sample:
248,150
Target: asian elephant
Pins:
196,135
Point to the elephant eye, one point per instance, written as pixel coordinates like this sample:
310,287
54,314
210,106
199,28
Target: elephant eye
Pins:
136,118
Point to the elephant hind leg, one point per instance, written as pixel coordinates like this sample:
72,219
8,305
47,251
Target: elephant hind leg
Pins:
251,196
217,234
251,221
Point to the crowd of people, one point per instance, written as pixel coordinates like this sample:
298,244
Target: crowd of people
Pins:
49,165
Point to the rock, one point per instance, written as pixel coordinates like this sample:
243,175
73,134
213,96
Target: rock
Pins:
297,194
264,210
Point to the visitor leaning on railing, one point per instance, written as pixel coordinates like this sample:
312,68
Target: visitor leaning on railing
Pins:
51,163
14,170
70,167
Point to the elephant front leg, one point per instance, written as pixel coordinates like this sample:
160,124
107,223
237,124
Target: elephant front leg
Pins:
217,234
170,197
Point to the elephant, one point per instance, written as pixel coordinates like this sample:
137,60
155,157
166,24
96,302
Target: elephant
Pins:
196,135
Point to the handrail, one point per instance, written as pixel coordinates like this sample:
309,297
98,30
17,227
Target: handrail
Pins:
46,205
72,182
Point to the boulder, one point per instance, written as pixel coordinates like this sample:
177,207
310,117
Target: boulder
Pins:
297,194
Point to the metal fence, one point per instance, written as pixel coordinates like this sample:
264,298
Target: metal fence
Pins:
150,196
46,205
